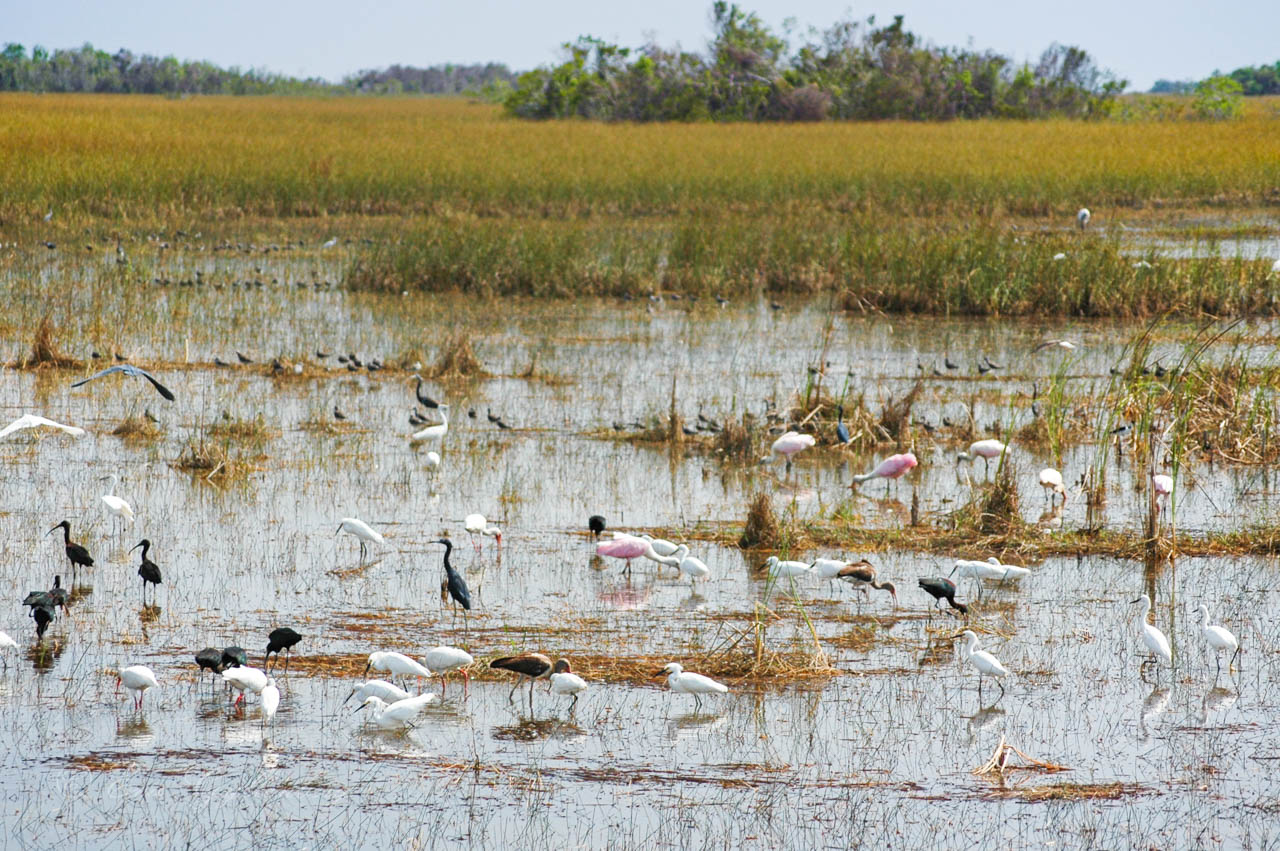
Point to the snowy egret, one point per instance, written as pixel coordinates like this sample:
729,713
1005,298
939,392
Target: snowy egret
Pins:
6,644
76,554
117,507
279,639
454,583
893,467
984,449
1059,256
625,547
433,460
270,701
662,548
475,524
243,678
686,682
690,566
989,569
378,688
787,445
789,569
595,524
148,570
396,664
130,370
398,715
862,576
941,588
433,433
330,243
1153,638
1082,218
136,678
1219,639
565,681
33,421
362,530
442,660
1051,481
983,661
534,666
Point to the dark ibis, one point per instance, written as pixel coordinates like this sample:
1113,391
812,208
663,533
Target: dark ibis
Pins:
58,594
234,657
453,583
941,588
280,639
534,666
595,523
76,554
488,412
133,371
862,575
842,431
337,414
425,400
209,659
242,358
42,616
148,570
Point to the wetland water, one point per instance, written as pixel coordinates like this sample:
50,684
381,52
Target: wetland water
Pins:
880,753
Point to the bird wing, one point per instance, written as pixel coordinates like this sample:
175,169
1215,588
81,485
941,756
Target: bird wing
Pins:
699,683
129,369
32,421
108,371
160,388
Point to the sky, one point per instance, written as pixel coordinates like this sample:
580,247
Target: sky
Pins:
1139,40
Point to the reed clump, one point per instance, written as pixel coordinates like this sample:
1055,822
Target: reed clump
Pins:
458,359
45,352
761,529
139,428
211,462
229,428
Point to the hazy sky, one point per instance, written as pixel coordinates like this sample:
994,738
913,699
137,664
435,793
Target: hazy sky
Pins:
1140,40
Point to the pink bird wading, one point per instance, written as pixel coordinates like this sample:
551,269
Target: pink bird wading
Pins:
787,445
893,467
624,547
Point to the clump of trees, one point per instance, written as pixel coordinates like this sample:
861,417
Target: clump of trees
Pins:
436,80
853,70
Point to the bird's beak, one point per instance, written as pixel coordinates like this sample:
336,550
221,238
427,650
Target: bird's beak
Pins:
1139,600
660,673
953,571
358,708
135,546
339,530
366,671
55,527
345,699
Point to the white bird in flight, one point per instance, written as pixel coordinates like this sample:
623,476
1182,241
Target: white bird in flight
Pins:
34,421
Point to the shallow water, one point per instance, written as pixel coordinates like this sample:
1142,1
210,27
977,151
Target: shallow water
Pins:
881,754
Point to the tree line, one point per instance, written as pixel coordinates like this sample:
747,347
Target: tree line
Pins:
1253,80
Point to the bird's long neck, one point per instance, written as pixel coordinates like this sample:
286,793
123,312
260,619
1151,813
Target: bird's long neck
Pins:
448,548
66,534
878,585
111,488
145,549
1204,614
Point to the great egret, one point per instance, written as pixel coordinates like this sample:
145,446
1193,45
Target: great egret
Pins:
1219,639
362,530
33,421
433,433
1153,638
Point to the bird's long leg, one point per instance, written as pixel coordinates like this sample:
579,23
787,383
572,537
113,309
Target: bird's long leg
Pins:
697,703
512,695
1233,659
1000,683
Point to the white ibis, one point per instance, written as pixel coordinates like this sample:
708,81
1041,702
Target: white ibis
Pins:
533,666
989,569
136,678
984,449
443,660
686,682
661,548
362,530
116,506
565,681
243,678
398,715
984,662
786,569
33,421
377,688
1219,639
1153,638
1051,481
475,524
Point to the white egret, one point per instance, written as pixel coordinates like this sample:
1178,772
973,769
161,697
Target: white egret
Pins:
475,524
661,547
34,421
376,688
442,660
362,530
1082,218
270,701
396,664
989,569
1153,638
686,682
434,433
433,460
1219,639
136,678
565,681
398,715
6,644
789,569
694,568
116,506
983,661
1054,344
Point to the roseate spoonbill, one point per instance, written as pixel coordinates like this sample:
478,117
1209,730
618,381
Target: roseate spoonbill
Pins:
984,449
941,588
243,678
442,660
1051,481
862,576
33,421
1219,639
136,678
686,682
398,715
475,524
148,570
565,681
624,547
133,371
1153,638
76,554
595,525
378,688
533,666
279,639
396,664
983,661
694,568
270,701
893,467
362,530
1162,487
434,433
787,445
1082,218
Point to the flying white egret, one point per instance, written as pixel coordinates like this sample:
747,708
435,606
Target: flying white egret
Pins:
117,507
398,715
475,524
442,660
1219,639
34,421
1153,638
686,682
244,678
1054,344
984,662
565,681
434,433
130,370
362,530
377,688
270,701
136,678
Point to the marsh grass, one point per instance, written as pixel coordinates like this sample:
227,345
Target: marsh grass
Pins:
138,428
457,359
45,352
761,528
213,462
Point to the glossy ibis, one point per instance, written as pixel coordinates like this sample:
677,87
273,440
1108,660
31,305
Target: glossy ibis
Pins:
942,588
534,666
1219,639
984,662
42,616
136,678
565,681
423,399
209,659
362,530
284,639
33,421
686,682
234,657
398,715
595,525
76,554
133,371
148,570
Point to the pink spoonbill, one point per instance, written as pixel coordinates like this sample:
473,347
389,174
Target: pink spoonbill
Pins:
893,467
984,449
787,445
624,547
